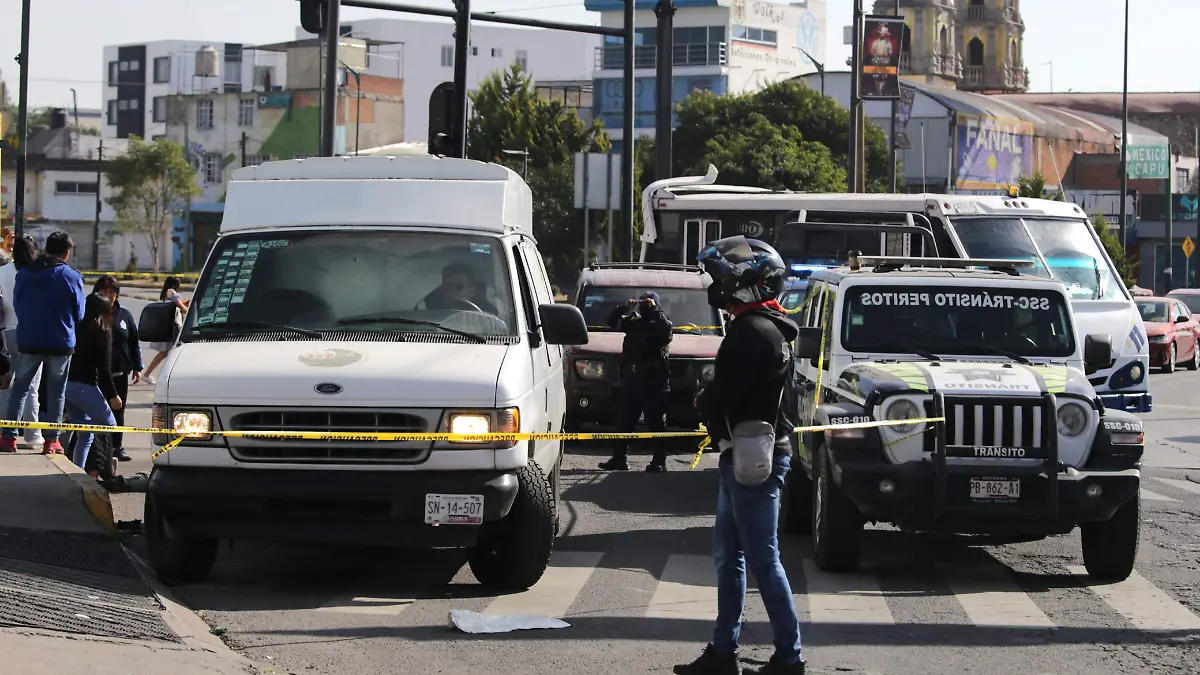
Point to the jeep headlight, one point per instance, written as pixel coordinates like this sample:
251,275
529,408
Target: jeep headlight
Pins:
902,409
589,370
1072,420
707,371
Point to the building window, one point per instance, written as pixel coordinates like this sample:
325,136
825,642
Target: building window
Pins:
112,73
246,112
496,51
757,36
255,160
122,104
522,59
112,112
162,69
135,65
474,51
204,114
160,109
1182,179
447,56
70,187
133,104
212,169
155,137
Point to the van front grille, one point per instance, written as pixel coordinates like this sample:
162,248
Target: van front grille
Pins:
354,421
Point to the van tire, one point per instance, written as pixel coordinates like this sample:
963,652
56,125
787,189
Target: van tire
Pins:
1110,547
176,559
837,525
512,553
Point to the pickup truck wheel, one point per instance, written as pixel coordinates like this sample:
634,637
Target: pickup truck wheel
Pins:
1110,548
837,525
512,553
796,502
177,559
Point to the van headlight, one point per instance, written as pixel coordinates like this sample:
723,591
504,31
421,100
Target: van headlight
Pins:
589,369
1072,420
193,424
478,422
902,409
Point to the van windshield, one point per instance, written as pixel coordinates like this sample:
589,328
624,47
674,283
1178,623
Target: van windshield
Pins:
349,283
687,308
1068,246
959,320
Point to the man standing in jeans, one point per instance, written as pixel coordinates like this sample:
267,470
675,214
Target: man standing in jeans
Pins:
753,373
48,297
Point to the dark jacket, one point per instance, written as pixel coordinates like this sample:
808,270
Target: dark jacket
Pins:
92,362
752,365
48,297
5,361
126,351
648,335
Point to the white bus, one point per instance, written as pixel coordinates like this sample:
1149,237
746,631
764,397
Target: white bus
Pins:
681,215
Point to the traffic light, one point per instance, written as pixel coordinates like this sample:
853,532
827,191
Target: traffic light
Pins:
441,118
312,15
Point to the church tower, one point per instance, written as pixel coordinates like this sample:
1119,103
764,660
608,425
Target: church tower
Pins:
930,53
991,40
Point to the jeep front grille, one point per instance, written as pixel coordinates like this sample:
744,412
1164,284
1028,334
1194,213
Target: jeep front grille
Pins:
1008,423
349,420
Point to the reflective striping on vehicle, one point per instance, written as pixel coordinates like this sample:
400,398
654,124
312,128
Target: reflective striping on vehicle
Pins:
844,598
1146,606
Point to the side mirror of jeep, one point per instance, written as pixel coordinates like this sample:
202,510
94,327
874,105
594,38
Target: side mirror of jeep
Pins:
563,324
808,343
157,323
1097,351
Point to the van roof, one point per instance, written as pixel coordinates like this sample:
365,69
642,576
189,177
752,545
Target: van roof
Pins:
379,191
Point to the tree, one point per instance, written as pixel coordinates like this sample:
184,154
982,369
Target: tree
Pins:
150,182
509,115
1034,187
808,136
1116,252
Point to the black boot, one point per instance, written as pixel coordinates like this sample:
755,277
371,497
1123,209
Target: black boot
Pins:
121,455
776,667
711,663
657,465
615,464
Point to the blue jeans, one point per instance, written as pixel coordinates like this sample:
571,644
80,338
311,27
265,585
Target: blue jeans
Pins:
54,370
30,413
86,405
746,533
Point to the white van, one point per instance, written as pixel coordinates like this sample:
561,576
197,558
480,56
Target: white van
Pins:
365,294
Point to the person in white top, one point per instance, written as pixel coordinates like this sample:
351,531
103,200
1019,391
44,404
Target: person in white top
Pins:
169,293
8,280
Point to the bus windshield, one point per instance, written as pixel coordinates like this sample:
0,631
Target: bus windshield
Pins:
1067,246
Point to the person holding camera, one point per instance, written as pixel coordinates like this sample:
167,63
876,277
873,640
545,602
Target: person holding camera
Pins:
645,377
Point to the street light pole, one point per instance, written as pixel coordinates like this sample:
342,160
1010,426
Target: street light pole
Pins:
333,34
22,126
1125,134
855,96
895,154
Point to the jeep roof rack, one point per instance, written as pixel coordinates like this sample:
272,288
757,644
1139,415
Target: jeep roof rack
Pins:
893,263
594,265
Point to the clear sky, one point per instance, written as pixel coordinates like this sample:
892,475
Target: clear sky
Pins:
1083,38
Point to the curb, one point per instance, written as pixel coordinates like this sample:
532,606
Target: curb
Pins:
95,498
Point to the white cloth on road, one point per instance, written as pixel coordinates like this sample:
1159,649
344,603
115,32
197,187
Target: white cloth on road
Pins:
474,622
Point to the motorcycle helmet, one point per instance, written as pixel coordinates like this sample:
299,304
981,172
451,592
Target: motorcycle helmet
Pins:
743,271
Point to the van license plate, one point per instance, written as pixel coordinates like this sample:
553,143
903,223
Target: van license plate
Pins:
995,489
453,509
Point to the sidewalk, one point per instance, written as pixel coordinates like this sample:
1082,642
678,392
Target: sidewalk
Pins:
72,600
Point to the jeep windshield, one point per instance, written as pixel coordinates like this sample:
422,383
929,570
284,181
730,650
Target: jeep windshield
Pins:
957,320
350,284
1068,247
687,308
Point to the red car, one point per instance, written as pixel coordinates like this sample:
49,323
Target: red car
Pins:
1173,332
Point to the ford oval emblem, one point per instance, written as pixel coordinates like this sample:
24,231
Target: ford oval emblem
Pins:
328,388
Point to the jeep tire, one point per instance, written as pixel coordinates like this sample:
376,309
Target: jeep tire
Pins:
837,527
176,558
1110,547
796,499
512,553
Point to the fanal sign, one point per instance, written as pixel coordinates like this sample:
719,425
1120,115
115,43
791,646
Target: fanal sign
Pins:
991,152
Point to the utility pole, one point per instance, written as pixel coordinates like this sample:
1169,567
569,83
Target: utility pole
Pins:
895,155
855,97
243,145
1124,164
1169,271
665,61
333,33
628,133
22,123
462,51
99,205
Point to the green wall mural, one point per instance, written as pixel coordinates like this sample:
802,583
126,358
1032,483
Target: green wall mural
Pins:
295,134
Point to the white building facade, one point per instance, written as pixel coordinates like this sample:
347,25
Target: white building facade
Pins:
422,54
722,46
139,77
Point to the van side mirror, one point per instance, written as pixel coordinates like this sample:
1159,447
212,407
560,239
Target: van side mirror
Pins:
157,323
808,343
563,324
1097,351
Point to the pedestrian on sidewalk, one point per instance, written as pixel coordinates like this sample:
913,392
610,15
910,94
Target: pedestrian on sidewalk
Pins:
169,293
48,297
16,254
126,354
753,372
91,394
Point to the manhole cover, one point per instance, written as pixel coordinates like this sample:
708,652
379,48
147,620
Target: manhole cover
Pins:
91,553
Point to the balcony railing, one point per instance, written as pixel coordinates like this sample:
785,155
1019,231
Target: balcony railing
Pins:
974,75
976,13
906,63
612,57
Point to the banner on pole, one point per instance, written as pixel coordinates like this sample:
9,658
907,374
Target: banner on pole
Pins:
880,76
908,95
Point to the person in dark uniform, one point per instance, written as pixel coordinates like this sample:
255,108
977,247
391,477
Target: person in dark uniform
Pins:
645,378
126,354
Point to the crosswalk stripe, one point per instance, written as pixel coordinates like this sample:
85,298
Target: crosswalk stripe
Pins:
1146,606
367,605
1185,485
990,597
687,590
553,594
1155,497
844,598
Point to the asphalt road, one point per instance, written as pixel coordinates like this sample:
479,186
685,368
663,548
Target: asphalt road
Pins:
633,578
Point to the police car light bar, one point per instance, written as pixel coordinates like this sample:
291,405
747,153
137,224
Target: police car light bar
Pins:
958,263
